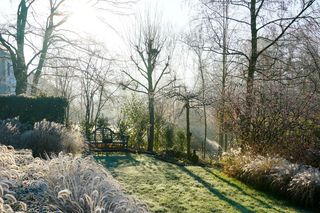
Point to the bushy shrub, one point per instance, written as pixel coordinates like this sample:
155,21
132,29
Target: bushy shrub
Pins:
180,140
49,137
169,135
135,114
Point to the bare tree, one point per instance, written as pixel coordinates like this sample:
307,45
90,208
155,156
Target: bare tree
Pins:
48,38
151,61
14,39
190,99
266,26
95,79
196,43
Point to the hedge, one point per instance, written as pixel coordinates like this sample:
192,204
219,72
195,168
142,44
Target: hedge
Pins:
33,109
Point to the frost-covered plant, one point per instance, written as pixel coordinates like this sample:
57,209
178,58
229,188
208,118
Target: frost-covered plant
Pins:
282,175
61,184
82,185
233,162
8,201
6,157
9,173
50,137
305,187
8,168
300,182
258,171
10,132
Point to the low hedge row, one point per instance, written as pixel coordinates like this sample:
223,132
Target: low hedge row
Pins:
33,109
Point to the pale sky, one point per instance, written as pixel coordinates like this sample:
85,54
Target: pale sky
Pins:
86,19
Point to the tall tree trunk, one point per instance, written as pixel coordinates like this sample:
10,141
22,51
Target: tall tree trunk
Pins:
43,55
21,68
222,134
151,122
21,80
188,129
204,105
205,131
251,71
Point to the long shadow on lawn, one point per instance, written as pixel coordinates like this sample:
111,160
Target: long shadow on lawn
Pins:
112,161
216,192
124,160
238,188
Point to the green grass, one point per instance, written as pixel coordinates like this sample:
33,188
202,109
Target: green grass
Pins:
169,188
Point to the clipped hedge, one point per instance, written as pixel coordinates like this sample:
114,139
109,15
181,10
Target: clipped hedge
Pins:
33,109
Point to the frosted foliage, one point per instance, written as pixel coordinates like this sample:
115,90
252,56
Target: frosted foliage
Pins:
9,175
82,185
60,184
299,182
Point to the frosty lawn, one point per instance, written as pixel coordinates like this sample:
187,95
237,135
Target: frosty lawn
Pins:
169,188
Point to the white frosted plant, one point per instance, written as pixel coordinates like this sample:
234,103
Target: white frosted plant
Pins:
8,167
9,132
305,187
282,175
50,137
82,185
6,157
60,184
234,161
259,170
9,175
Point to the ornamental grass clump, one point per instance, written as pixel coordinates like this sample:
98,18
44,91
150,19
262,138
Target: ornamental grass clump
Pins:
301,183
59,184
48,138
9,175
8,168
282,175
259,171
10,131
304,187
82,185
8,201
233,162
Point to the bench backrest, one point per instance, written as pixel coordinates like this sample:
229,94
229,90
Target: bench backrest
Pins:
106,135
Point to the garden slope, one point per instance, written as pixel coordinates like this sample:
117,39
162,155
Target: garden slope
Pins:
169,188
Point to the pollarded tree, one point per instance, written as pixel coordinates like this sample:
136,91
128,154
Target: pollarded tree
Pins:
152,49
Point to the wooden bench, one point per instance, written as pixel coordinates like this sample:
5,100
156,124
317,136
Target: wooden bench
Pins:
105,140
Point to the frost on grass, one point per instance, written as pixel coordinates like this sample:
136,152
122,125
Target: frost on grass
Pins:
60,184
